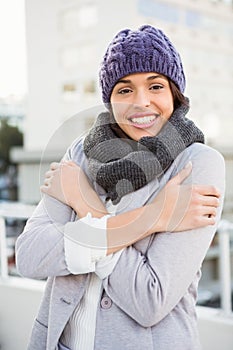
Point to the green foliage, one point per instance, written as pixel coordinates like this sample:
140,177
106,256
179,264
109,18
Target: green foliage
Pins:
9,136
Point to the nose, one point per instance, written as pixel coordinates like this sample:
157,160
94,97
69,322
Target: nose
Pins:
142,99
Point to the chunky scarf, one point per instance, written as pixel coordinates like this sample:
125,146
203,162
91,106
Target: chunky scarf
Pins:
121,165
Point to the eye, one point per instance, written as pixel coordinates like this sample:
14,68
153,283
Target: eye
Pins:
124,91
156,87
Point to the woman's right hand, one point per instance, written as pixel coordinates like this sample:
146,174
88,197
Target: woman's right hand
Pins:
185,207
67,182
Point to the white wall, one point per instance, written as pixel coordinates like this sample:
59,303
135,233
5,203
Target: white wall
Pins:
216,330
42,116
19,299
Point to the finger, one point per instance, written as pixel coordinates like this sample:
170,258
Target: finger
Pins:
70,162
210,211
49,173
210,201
44,188
182,175
213,191
208,220
46,182
54,165
207,190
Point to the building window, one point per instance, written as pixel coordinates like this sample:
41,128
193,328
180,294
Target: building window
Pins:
69,22
159,10
88,16
70,92
75,18
193,18
69,87
228,2
70,59
89,87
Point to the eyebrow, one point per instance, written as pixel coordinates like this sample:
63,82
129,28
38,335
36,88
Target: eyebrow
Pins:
151,77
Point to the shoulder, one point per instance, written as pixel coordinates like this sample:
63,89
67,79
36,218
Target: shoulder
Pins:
75,151
208,165
202,151
200,155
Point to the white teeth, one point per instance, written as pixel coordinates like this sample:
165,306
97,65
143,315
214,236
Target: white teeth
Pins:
143,120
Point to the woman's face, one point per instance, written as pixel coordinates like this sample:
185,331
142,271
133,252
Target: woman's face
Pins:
142,103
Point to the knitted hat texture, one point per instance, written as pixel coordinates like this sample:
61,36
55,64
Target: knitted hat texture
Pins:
147,49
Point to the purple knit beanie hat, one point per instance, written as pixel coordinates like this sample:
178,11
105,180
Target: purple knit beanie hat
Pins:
147,49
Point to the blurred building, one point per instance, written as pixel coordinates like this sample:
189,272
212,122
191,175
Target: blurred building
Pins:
12,108
65,44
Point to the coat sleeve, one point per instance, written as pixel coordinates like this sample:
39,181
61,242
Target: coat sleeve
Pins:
147,287
52,243
40,247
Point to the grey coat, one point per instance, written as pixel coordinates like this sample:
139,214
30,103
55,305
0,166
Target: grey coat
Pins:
152,290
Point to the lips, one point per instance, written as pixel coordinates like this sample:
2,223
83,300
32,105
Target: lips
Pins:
143,120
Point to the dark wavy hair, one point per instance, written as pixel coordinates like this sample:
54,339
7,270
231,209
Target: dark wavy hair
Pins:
178,97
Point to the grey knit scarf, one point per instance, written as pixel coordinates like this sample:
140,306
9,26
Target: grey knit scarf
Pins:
121,165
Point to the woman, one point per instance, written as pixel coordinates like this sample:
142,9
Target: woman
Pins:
126,221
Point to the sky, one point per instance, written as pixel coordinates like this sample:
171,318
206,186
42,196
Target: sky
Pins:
13,79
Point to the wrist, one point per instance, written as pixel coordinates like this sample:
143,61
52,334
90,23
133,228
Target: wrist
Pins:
129,227
160,222
89,204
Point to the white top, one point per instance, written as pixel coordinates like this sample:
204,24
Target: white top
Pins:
80,241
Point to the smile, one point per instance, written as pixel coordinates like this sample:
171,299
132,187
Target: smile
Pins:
144,121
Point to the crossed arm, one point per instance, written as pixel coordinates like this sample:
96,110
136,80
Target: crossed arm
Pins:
177,207
151,278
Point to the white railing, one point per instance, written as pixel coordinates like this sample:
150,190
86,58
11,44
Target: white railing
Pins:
13,210
224,231
22,211
215,326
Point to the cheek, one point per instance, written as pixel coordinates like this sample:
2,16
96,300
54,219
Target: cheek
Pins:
119,111
168,107
169,112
